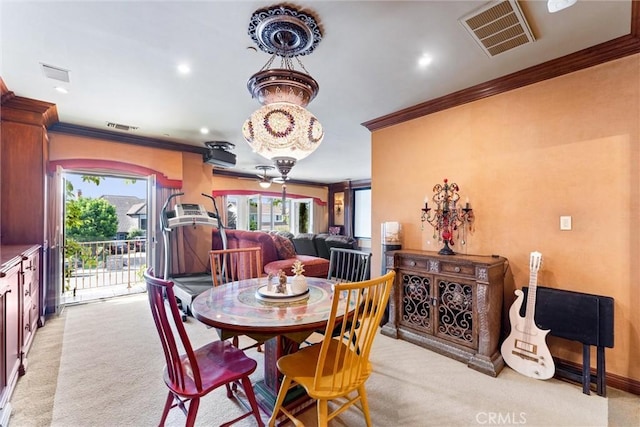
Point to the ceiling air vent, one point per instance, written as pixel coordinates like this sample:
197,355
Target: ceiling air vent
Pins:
55,73
498,26
119,126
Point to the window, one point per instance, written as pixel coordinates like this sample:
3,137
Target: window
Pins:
258,212
232,212
362,213
302,220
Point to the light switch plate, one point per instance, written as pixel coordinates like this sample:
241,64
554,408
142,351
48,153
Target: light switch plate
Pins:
565,223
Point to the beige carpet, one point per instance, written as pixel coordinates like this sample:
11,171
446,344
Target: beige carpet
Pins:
111,363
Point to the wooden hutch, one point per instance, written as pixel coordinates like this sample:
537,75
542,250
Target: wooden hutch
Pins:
451,304
23,231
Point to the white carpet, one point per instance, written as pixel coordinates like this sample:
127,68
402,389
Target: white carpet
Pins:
111,375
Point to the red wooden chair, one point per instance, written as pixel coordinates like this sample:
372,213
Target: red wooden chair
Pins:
195,373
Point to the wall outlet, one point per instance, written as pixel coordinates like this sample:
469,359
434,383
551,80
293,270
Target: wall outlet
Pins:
565,223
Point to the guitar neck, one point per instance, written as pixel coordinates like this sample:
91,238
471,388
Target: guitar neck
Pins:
531,297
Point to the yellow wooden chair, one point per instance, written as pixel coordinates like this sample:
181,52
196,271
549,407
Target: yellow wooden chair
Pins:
338,367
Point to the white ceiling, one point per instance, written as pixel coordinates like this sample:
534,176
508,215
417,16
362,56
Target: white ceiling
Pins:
122,58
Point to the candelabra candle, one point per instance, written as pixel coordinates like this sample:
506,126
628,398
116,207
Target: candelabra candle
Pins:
425,213
447,218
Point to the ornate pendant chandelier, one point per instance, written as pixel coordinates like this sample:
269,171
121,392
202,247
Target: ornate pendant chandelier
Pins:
283,130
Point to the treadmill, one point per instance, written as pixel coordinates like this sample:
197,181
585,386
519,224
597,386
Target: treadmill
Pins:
188,286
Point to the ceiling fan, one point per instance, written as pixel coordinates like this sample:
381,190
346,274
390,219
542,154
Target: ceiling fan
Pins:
265,180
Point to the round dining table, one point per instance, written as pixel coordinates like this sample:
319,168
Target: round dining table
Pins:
282,322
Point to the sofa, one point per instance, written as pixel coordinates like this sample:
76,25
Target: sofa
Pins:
320,244
278,252
305,244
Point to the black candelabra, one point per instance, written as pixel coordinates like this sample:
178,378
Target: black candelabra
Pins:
447,218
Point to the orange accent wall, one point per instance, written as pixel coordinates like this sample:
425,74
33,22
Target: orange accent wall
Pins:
175,165
221,182
64,147
196,180
566,146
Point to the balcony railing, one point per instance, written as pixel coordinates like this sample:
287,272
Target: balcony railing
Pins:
103,264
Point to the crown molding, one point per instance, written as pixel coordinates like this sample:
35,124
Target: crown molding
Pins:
144,141
595,55
24,110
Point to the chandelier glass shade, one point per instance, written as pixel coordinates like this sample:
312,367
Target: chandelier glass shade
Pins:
283,129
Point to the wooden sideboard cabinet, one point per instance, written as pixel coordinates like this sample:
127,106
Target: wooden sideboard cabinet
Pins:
19,313
30,294
10,329
451,304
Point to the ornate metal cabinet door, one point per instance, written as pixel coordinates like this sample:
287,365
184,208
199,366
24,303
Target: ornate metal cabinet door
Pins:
416,301
456,320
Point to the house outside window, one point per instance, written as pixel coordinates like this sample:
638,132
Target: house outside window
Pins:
266,213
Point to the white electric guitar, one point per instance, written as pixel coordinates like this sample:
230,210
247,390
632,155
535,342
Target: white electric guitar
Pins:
525,349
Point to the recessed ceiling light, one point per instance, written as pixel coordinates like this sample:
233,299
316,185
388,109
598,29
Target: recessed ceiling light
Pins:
184,69
61,89
557,5
424,60
204,131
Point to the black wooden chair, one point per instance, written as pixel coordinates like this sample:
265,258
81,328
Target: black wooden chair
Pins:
349,265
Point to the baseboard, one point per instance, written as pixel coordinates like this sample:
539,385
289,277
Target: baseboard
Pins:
622,383
615,381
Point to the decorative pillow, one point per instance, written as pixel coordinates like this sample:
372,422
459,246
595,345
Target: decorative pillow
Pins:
284,247
286,234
